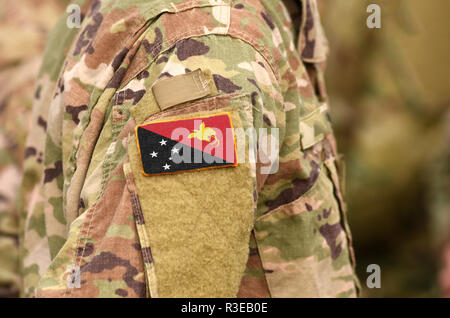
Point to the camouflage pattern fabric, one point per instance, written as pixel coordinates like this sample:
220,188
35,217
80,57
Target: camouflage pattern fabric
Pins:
23,29
93,223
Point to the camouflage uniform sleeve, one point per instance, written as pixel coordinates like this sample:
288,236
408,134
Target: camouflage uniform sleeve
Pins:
242,84
296,169
241,81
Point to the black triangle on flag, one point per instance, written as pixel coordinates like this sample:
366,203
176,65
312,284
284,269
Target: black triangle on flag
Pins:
162,155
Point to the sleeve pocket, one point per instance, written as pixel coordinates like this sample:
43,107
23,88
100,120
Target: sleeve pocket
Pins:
314,126
198,222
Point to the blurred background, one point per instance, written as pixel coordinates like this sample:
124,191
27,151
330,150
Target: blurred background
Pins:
389,91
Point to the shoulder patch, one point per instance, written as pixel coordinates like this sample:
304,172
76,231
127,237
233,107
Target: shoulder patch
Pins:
187,144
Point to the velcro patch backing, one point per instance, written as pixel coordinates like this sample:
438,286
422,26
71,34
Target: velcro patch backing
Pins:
196,143
179,89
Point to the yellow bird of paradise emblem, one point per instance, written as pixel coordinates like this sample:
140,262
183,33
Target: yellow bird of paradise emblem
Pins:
206,134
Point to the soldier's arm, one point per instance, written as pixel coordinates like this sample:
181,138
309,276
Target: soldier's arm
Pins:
195,223
211,210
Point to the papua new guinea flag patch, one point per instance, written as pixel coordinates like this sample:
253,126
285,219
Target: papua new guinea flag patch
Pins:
187,144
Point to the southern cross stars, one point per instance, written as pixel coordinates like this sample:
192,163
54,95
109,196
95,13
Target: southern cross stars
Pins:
175,150
166,167
154,154
163,142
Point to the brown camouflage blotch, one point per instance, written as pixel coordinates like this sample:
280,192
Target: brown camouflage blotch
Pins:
190,47
53,173
74,111
331,233
300,186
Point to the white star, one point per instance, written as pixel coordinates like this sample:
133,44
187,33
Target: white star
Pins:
175,150
166,167
154,154
163,142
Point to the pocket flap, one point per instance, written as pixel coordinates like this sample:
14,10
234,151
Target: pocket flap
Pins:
314,126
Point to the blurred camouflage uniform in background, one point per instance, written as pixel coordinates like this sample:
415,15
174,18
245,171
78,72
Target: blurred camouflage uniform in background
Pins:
439,202
389,91
95,226
23,32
